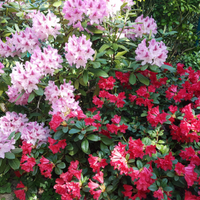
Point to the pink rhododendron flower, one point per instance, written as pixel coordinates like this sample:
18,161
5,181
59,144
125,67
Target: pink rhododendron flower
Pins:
46,25
78,51
154,54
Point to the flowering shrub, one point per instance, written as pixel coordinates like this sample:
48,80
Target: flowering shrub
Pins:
95,114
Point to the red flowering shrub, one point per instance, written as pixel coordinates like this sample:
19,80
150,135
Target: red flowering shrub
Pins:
89,107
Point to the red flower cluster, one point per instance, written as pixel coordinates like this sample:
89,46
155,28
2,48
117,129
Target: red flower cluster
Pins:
124,79
20,194
45,167
166,162
65,186
92,185
96,163
56,145
106,84
27,163
154,116
55,121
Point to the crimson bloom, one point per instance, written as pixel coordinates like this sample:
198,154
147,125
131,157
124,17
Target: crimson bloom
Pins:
56,145
27,163
45,167
55,121
20,194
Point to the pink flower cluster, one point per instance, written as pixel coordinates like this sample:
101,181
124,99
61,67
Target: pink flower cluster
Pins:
78,51
35,133
46,25
9,123
62,99
47,61
154,54
147,25
27,40
96,10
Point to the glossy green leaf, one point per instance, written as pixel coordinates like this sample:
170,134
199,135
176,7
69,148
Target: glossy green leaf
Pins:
10,155
139,164
85,145
39,92
61,165
16,150
93,137
153,187
119,54
31,97
58,171
99,72
73,131
132,79
143,79
104,47
57,3
85,77
58,135
14,164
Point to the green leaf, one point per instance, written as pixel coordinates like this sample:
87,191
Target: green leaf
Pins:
99,72
16,150
115,46
176,178
39,92
20,95
73,131
11,135
58,135
93,137
85,77
144,67
154,176
65,129
167,188
106,140
143,79
119,54
61,165
139,164
146,141
10,155
132,79
14,164
58,171
94,30
76,84
164,182
153,187
57,3
96,64
17,136
171,69
170,174
85,145
109,188
104,47
31,97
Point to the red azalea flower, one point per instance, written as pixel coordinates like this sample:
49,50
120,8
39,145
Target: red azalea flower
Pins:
136,148
56,145
151,149
20,194
106,84
88,121
158,194
55,121
27,163
26,148
96,163
179,169
45,167
116,119
97,102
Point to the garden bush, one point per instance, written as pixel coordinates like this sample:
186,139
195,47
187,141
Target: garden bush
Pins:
178,24
90,109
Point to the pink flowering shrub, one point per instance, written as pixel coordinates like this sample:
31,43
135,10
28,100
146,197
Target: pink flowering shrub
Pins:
87,113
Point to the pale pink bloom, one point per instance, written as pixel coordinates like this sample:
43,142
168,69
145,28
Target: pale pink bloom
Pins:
13,94
35,133
47,61
25,40
46,25
25,78
78,51
154,54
